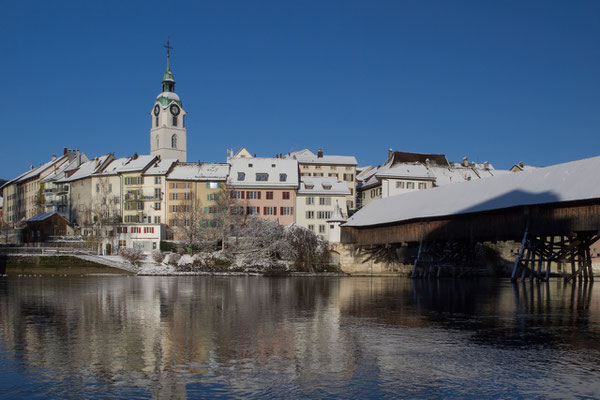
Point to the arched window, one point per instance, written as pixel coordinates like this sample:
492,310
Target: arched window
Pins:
156,123
174,141
157,142
174,120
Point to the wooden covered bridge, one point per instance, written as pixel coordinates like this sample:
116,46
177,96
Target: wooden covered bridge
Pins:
554,212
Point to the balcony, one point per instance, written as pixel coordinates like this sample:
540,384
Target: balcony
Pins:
141,197
58,189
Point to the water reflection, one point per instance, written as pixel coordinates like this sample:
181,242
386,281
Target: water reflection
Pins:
177,337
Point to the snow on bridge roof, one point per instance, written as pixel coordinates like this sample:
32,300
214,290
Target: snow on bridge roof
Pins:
576,180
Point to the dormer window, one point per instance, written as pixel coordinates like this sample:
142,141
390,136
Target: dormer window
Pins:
326,186
241,176
272,165
250,165
282,177
262,177
309,185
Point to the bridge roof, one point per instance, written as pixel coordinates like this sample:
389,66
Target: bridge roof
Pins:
572,181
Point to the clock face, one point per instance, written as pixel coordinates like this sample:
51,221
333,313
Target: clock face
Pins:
175,109
156,109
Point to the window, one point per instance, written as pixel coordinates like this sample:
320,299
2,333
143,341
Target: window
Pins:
311,228
157,206
186,196
321,228
269,210
399,185
213,185
122,243
241,176
333,175
318,174
174,140
157,180
325,201
348,177
186,222
174,120
157,220
305,174
97,188
174,222
252,210
174,185
351,192
187,185
236,194
174,208
310,214
318,167
269,195
285,195
286,210
140,206
185,208
262,177
310,201
282,177
253,195
422,185
305,167
410,185
174,196
348,168
212,197
323,214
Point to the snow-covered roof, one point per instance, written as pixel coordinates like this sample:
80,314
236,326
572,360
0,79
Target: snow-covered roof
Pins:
576,180
127,164
44,216
86,169
271,172
199,172
60,171
168,95
404,170
327,160
160,167
323,185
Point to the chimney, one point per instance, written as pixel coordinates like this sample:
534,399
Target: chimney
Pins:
390,152
427,162
53,157
65,151
320,153
465,162
135,155
31,166
521,164
486,165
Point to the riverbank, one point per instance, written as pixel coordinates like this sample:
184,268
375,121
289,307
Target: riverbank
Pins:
57,265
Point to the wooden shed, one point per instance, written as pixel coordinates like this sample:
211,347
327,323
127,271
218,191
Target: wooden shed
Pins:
39,227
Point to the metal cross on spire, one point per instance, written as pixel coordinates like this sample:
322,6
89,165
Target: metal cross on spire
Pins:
169,48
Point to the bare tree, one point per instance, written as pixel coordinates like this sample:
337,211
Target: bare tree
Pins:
105,208
230,213
39,200
190,218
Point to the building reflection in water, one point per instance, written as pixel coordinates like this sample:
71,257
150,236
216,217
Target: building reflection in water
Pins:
301,337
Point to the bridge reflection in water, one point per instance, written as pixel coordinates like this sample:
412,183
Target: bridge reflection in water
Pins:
174,337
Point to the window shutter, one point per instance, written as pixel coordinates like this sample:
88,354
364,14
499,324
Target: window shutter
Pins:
248,194
274,210
265,210
258,210
219,185
205,210
259,195
243,194
281,210
208,197
207,184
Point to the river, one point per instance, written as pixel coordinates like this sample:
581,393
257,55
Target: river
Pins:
129,337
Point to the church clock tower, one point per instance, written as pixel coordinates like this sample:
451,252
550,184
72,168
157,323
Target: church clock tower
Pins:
168,133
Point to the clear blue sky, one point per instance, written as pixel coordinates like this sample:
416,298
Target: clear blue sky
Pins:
502,81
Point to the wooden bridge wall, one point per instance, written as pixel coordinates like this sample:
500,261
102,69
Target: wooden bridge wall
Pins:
507,224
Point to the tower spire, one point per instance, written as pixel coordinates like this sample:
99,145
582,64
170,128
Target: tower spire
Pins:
168,82
169,48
